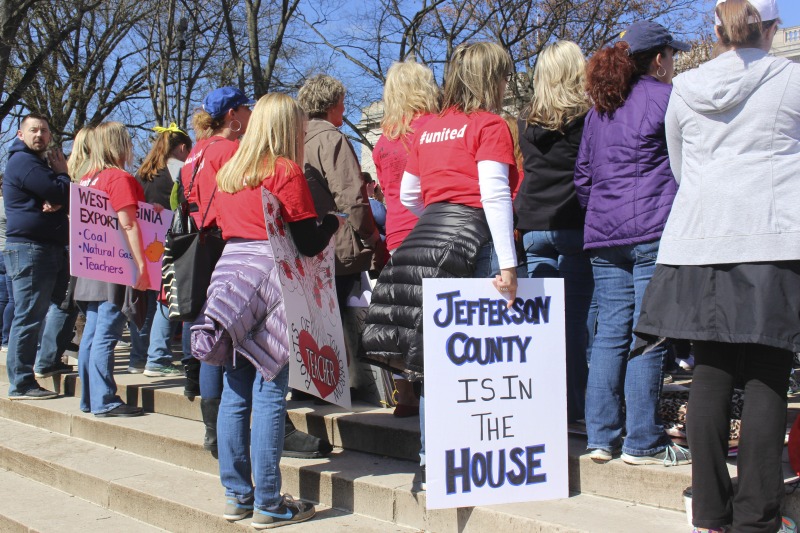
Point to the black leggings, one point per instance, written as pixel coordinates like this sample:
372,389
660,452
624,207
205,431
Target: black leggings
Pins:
755,505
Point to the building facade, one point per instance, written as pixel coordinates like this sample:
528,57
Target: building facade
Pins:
787,43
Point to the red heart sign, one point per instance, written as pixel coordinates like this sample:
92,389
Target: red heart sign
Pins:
321,363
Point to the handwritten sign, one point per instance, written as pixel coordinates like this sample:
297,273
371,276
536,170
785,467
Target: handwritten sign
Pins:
317,360
495,393
97,246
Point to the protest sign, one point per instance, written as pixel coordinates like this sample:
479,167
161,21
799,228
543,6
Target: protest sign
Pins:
97,246
317,356
495,393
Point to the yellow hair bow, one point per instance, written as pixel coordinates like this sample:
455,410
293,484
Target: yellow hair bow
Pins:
173,128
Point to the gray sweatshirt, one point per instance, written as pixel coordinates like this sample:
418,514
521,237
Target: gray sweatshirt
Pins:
733,133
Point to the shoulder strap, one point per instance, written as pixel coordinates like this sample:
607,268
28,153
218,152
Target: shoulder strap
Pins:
197,166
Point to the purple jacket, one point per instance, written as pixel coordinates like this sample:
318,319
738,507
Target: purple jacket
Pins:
622,175
244,313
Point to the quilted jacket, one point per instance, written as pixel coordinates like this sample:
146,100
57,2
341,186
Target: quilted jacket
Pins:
244,313
622,175
444,244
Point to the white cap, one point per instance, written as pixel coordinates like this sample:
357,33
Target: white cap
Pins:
768,9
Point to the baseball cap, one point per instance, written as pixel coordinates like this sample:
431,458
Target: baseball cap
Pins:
219,101
768,9
648,35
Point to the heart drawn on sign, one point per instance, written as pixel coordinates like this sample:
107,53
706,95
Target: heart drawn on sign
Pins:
321,363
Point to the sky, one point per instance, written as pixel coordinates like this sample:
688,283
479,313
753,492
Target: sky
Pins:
790,12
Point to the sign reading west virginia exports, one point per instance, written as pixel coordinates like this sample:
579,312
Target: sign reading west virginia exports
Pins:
97,247
317,356
495,393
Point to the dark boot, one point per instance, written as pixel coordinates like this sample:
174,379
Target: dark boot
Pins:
191,387
210,410
302,445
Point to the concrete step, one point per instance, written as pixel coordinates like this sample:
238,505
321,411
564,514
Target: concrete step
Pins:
375,430
28,507
178,499
156,493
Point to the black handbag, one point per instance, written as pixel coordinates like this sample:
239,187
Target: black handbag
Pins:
190,255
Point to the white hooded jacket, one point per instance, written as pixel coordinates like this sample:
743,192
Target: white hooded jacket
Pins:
733,134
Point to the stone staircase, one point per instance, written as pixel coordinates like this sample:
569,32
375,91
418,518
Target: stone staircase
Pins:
62,470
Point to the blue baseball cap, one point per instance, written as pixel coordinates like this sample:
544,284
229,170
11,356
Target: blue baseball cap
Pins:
648,35
219,101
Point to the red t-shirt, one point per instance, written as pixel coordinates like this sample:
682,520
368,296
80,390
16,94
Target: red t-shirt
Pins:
241,215
211,154
446,152
390,159
122,188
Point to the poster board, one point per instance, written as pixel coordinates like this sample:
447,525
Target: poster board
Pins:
317,356
495,393
97,247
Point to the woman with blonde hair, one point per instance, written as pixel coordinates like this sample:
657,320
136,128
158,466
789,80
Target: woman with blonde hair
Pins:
256,382
728,271
549,215
410,98
78,162
102,302
459,177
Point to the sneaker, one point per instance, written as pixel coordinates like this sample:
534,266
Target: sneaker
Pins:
163,372
601,456
58,368
236,510
123,410
35,394
787,525
668,379
290,511
672,455
135,369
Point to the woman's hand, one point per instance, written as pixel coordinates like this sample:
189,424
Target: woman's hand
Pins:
506,283
143,280
158,208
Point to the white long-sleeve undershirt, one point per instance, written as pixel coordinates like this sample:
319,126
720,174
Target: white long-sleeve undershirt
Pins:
496,201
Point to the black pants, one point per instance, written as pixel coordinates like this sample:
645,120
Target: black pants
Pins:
755,505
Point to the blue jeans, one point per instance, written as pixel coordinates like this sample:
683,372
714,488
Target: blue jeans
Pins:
35,271
621,275
55,335
8,311
150,344
559,254
4,294
252,454
104,325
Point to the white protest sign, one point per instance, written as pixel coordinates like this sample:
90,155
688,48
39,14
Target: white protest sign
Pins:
495,393
97,247
317,356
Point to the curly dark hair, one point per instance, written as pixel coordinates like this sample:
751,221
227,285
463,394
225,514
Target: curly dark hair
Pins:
611,73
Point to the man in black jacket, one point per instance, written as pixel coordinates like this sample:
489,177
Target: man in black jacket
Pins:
36,193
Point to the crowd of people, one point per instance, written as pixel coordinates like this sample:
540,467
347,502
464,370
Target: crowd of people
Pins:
668,209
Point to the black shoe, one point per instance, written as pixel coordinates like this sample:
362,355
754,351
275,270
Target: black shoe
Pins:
123,410
302,445
210,409
419,481
58,368
191,387
35,394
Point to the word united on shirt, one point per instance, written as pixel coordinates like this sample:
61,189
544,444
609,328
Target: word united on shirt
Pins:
445,134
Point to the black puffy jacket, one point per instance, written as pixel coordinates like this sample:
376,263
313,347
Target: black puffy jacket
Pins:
444,244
